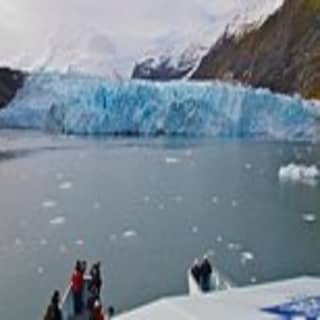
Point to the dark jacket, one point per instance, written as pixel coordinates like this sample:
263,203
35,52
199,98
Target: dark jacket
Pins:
196,272
206,269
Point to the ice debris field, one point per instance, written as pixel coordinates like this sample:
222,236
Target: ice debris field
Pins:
79,104
309,175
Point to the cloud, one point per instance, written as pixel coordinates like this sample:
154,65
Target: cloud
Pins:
112,33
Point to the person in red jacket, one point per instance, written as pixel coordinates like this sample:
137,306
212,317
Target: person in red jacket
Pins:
77,286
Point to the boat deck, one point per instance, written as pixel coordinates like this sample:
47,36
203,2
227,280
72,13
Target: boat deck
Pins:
291,299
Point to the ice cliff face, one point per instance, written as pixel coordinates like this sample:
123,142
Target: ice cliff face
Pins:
85,105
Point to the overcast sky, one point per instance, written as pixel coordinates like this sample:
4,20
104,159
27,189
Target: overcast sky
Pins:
36,31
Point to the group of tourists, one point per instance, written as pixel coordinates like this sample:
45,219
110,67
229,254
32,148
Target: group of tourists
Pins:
86,299
201,272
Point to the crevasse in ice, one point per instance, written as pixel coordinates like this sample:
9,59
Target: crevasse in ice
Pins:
79,104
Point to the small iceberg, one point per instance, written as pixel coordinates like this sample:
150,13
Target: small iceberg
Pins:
129,234
40,270
234,204
49,204
253,280
63,249
65,185
219,239
113,237
178,198
43,242
299,174
79,242
246,257
234,246
97,205
58,221
215,200
195,229
172,160
309,218
18,242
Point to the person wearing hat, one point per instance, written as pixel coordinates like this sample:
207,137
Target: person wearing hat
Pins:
53,311
205,274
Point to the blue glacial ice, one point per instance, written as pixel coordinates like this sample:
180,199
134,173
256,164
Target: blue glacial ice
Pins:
78,104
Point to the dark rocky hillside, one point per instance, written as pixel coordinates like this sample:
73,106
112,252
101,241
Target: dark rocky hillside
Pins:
283,54
10,82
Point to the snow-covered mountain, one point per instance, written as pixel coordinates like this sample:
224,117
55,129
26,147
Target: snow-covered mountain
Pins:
169,64
108,38
282,54
180,61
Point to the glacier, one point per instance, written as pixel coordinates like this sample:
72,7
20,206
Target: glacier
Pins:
79,104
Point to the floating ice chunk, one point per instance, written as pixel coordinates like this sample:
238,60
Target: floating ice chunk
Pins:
253,280
248,166
195,229
18,242
113,237
215,199
79,242
130,234
65,185
43,242
58,221
246,256
63,249
146,199
237,247
97,205
172,160
309,217
234,246
178,198
299,173
161,206
234,204
40,270
49,204
219,239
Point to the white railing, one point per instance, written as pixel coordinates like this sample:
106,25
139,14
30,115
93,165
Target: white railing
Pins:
218,282
67,307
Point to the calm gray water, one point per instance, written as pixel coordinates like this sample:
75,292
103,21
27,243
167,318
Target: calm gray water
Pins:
146,208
